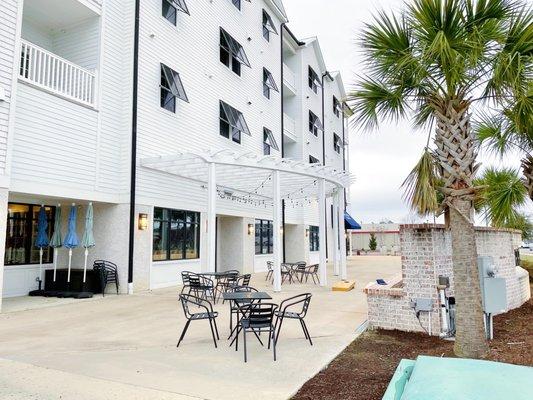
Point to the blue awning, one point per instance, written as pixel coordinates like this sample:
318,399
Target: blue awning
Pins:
349,222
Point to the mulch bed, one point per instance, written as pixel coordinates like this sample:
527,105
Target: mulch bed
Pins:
363,370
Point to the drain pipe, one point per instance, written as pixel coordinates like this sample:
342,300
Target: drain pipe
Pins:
281,28
133,172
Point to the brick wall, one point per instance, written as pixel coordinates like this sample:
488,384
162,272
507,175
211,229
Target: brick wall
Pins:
427,253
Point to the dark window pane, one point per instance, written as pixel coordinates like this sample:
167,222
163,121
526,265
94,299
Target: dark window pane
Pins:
160,240
237,3
177,216
224,129
224,57
235,66
177,237
192,241
169,12
168,100
236,135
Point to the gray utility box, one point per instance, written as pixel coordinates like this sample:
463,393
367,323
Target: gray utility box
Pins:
493,290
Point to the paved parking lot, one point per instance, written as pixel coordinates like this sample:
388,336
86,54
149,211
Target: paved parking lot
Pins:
124,347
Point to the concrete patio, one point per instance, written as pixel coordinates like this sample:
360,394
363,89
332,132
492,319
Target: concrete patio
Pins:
124,347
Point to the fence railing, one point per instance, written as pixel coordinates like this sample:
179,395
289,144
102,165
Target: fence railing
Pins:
51,72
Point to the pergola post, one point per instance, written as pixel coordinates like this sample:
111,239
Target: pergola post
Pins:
276,226
342,237
322,271
336,234
211,216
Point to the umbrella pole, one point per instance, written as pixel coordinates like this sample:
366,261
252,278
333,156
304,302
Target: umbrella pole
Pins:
69,263
40,267
85,266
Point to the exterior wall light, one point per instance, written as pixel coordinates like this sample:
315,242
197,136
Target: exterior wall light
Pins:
251,229
143,222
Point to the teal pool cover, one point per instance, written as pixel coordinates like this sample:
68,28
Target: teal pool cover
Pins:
435,378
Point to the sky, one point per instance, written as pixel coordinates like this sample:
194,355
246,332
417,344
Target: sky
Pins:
380,160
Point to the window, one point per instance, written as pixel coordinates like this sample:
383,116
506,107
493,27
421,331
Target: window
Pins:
313,80
171,88
314,124
176,235
232,54
313,238
269,142
232,123
22,232
336,143
237,3
268,83
169,9
263,236
313,160
268,26
337,107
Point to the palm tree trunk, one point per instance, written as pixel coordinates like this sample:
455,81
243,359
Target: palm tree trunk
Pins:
456,153
527,169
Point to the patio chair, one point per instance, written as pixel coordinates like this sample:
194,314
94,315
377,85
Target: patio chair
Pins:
244,280
298,270
270,270
206,312
294,308
257,318
311,271
235,304
107,272
226,282
286,273
201,286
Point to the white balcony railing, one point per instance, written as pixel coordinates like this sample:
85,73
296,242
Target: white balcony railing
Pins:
289,127
289,78
57,75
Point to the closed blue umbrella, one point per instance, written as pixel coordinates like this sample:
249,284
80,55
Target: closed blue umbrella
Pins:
87,241
71,239
57,238
41,241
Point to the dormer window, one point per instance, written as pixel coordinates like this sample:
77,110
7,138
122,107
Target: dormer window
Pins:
232,54
268,26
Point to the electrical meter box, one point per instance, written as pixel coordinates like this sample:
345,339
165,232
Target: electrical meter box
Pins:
493,290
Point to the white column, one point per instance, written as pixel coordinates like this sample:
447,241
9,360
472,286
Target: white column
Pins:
276,226
350,238
322,273
335,218
211,216
342,244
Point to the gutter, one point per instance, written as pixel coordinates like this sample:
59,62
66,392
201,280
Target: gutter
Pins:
133,171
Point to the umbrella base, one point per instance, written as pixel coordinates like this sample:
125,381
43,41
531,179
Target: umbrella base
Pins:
83,295
37,292
62,294
51,293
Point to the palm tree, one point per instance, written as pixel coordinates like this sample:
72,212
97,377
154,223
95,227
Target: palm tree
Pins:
432,62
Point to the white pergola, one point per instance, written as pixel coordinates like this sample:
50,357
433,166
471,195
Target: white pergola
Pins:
264,180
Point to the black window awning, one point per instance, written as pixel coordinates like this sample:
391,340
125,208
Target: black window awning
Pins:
231,45
172,83
180,5
270,139
268,80
268,23
234,117
316,121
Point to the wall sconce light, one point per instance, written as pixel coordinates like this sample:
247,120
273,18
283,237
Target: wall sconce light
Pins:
251,229
307,232
143,222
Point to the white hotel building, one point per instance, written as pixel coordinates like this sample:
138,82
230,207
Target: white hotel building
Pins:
203,114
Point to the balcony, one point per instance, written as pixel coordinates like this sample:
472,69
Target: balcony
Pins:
48,71
289,80
289,128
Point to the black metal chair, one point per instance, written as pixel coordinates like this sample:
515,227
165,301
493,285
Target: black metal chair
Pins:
299,269
187,301
294,308
244,280
286,273
226,282
107,272
270,270
236,304
257,318
311,271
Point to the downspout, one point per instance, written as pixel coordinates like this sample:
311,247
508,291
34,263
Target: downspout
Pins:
133,172
281,28
324,154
